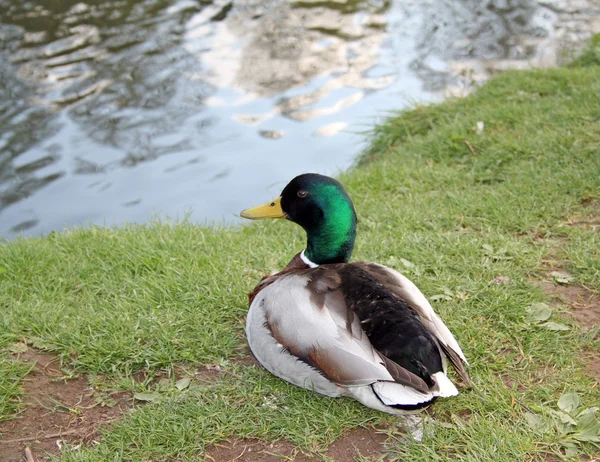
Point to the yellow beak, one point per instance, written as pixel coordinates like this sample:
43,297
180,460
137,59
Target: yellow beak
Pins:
268,210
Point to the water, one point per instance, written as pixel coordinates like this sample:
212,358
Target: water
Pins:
115,111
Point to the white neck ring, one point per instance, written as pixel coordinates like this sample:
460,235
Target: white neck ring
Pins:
306,260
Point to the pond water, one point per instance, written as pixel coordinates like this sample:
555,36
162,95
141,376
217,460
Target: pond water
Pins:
122,110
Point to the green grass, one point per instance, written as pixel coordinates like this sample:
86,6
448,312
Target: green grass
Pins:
116,301
249,404
11,374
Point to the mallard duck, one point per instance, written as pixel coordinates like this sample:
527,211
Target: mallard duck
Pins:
340,328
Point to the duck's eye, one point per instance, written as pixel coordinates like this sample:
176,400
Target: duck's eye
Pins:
302,194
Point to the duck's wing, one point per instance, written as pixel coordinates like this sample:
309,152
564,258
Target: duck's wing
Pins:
403,288
306,313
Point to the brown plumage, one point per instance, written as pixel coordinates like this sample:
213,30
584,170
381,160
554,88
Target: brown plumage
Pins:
355,329
339,291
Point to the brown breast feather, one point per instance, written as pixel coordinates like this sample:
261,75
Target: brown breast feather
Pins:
295,264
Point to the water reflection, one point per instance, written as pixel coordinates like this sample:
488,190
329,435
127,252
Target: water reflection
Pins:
115,110
24,126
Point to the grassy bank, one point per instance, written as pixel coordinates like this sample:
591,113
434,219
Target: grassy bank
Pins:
473,217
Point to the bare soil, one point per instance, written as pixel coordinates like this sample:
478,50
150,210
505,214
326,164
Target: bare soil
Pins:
56,410
367,442
583,304
592,361
589,220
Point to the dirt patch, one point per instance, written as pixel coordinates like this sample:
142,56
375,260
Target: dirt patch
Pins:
592,361
594,367
255,451
248,360
367,443
56,410
549,457
589,220
583,304
511,383
59,410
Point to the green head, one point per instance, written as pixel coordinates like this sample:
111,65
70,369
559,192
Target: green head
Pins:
323,208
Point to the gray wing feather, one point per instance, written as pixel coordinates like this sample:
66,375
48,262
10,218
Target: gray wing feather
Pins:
308,316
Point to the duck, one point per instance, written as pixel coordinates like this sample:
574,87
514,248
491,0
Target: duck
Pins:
346,328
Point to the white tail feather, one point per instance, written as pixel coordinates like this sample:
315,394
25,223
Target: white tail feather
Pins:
445,386
392,393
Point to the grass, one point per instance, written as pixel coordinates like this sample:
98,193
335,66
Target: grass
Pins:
249,404
117,301
11,374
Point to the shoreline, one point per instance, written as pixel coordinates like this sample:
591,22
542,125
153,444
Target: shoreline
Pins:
490,221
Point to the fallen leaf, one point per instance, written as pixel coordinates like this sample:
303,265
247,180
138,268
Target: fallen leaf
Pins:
164,383
39,343
568,402
183,383
551,325
488,249
588,428
589,410
571,449
406,263
562,277
564,417
105,401
20,347
147,396
538,312
537,422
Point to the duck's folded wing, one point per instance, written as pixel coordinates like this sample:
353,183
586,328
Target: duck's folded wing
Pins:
307,314
402,287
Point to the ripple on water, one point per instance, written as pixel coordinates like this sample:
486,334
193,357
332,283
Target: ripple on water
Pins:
122,109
